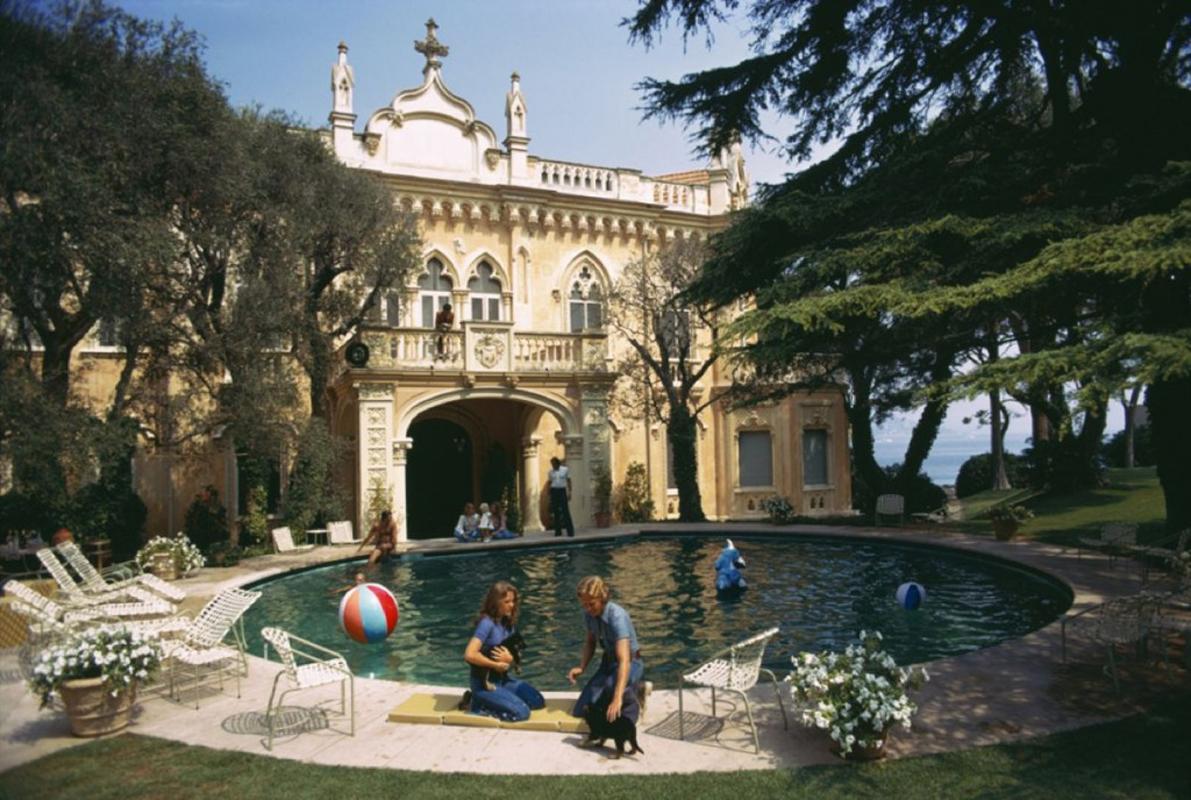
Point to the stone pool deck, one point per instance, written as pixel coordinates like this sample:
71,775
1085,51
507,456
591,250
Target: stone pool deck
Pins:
1017,690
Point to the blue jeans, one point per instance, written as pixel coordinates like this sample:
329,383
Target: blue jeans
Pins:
511,701
604,680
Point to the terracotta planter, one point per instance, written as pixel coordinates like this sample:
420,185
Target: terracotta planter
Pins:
603,519
162,565
1004,529
92,709
873,753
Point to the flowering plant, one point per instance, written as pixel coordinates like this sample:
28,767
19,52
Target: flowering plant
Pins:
856,695
778,508
187,556
118,654
1005,512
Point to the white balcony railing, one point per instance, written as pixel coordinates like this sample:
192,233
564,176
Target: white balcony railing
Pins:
485,347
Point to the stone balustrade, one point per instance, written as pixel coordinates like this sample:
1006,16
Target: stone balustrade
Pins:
485,347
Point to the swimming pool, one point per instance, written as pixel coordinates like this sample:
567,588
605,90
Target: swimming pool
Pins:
821,591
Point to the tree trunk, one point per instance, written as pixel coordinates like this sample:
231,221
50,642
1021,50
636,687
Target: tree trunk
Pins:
1130,406
683,437
1168,402
319,374
55,371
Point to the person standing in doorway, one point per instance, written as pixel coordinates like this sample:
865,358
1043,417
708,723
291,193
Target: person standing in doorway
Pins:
560,497
443,321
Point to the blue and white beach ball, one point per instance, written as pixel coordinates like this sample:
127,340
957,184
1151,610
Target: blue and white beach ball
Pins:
911,595
368,613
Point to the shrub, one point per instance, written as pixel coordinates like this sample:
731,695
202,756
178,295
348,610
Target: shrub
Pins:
921,494
187,557
206,520
634,503
254,525
976,474
779,509
314,497
1063,466
602,486
1004,512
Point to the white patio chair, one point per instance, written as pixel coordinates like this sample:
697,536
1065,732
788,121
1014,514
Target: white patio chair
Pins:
341,532
1113,539
201,645
93,581
734,669
283,542
889,505
50,617
303,669
1125,620
131,601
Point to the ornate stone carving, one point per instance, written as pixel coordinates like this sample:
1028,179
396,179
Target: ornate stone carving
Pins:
375,391
371,143
376,416
489,350
376,437
492,157
376,456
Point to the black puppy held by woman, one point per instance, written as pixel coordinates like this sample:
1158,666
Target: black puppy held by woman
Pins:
493,691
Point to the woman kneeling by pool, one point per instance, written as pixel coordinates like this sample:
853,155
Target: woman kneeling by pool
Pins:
493,691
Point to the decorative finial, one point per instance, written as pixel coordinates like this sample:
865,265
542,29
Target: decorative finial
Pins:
342,46
431,47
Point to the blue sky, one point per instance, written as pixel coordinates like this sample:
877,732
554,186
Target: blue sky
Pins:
577,69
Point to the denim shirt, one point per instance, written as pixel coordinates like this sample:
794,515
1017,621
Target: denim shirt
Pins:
612,625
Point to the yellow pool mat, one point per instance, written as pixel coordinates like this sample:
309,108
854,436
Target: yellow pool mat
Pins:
443,709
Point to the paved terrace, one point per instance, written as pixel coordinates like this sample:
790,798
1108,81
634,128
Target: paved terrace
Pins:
1016,690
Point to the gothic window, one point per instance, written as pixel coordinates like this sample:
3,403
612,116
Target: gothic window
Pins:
586,303
484,291
755,453
434,292
814,457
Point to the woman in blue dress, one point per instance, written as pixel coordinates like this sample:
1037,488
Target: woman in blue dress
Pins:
494,692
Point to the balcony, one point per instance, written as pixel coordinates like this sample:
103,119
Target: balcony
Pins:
485,347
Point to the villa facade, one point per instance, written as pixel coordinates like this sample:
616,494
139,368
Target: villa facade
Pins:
525,249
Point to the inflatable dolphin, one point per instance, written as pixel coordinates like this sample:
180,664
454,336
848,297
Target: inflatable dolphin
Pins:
727,569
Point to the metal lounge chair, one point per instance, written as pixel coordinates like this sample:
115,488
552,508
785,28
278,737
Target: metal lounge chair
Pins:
1113,540
1125,620
889,505
306,669
93,581
201,645
283,542
52,617
131,601
341,532
734,669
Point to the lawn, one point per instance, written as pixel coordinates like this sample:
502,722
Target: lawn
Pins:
1131,495
1139,757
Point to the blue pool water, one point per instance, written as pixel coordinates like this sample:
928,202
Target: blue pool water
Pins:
821,591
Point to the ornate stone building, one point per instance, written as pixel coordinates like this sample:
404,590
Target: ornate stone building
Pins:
525,250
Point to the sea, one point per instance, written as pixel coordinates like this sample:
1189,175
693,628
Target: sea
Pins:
948,454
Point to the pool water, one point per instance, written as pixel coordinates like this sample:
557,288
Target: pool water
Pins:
821,591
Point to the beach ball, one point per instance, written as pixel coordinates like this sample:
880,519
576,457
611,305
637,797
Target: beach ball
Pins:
368,613
910,595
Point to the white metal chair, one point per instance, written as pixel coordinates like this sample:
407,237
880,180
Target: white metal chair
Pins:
889,505
1113,539
93,581
734,669
303,669
130,601
202,643
49,616
1125,620
283,542
341,532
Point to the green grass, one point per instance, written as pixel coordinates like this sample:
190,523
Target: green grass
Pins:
1132,495
1139,757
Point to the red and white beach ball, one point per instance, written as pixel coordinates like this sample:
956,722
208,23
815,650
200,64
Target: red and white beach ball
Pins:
368,613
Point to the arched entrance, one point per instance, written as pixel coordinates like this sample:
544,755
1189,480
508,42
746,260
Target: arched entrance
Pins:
438,477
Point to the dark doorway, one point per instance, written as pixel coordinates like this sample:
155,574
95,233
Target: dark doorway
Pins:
438,477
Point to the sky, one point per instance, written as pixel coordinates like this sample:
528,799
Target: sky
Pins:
578,75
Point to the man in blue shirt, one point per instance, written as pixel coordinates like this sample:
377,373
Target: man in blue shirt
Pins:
621,669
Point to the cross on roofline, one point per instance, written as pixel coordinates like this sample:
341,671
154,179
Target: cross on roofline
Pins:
431,47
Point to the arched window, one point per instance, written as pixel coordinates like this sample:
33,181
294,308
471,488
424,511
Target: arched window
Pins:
434,291
484,291
587,302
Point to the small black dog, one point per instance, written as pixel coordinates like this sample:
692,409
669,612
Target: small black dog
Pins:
515,644
621,730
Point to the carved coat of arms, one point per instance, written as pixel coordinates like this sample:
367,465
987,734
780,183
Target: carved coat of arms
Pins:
489,350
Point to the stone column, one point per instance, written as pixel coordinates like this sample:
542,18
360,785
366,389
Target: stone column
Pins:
531,489
374,465
598,435
401,449
581,508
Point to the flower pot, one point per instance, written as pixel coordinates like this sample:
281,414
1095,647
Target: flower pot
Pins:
1004,529
92,709
603,519
871,753
162,565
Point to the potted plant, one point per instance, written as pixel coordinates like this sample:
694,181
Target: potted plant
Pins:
1006,519
856,696
779,509
95,673
603,496
169,558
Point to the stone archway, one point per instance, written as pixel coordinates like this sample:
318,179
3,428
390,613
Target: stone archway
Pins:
438,477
